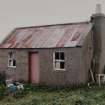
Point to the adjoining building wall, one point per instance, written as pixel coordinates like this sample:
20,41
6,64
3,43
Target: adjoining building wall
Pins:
98,21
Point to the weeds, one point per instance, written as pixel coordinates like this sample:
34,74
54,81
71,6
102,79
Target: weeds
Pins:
2,91
52,96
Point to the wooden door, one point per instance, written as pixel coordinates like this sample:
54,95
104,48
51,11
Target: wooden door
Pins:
34,68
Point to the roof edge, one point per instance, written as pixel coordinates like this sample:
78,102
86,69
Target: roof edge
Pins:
78,46
37,26
10,34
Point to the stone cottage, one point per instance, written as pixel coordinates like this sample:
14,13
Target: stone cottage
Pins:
55,55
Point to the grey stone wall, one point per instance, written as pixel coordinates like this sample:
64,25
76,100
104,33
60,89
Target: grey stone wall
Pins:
71,75
21,70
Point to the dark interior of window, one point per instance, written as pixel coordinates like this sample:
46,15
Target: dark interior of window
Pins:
62,55
62,65
57,55
14,62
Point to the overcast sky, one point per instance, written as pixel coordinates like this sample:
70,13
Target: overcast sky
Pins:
16,13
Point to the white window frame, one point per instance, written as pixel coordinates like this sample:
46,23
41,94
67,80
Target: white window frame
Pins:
58,60
12,58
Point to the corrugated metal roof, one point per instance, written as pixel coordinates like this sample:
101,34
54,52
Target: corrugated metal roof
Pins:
64,35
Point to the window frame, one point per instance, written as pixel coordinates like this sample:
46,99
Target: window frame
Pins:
58,60
12,58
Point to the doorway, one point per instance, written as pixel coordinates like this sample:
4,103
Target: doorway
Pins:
34,67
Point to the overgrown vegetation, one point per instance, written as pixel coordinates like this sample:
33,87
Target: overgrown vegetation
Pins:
55,96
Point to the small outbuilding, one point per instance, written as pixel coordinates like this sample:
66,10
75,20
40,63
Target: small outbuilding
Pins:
55,55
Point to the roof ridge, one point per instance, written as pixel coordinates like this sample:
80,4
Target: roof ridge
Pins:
37,26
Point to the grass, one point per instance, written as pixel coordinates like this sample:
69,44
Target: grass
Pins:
51,96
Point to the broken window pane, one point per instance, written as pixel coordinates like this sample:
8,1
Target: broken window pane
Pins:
10,63
11,60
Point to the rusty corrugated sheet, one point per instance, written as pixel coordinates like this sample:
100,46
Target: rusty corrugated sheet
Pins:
65,35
